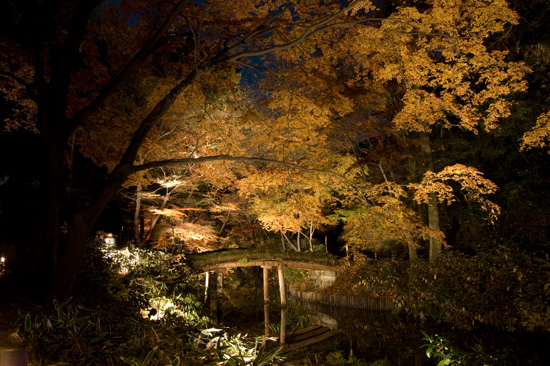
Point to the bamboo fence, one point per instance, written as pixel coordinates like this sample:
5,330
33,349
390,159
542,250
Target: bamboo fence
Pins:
368,303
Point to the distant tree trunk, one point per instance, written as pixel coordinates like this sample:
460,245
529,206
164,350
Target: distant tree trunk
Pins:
413,256
157,216
410,244
285,238
433,211
137,226
311,231
309,235
224,223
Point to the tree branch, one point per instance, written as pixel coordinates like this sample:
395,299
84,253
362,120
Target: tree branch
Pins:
127,71
309,31
65,60
242,159
158,111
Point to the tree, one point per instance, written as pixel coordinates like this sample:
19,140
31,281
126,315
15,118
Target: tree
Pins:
287,202
76,58
423,68
109,73
449,77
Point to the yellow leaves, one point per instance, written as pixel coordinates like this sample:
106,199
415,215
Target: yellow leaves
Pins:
473,186
290,215
421,110
361,5
376,227
539,136
170,212
424,191
439,55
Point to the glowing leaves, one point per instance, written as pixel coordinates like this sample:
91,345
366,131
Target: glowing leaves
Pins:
539,136
285,200
473,186
389,223
360,6
170,212
440,56
290,215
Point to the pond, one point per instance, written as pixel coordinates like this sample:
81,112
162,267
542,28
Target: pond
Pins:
377,338
383,338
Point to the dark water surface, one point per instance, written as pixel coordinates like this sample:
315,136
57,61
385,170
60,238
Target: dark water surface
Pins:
378,338
388,339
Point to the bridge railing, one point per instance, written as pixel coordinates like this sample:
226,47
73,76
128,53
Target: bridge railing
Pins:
209,259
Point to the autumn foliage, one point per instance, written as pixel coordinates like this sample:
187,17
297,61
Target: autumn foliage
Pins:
307,115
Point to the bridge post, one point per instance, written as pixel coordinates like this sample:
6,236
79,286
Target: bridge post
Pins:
266,303
206,289
219,296
282,338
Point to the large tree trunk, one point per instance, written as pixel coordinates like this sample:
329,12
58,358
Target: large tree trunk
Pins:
72,256
433,211
81,222
42,258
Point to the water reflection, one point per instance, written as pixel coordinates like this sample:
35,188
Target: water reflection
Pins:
371,336
368,335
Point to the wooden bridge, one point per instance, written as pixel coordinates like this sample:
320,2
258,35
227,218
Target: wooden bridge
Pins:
235,258
220,262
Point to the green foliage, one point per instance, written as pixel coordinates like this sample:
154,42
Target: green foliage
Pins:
295,276
215,347
448,353
138,280
439,347
106,326
338,359
502,289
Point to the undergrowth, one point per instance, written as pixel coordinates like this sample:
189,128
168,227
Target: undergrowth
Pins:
503,290
132,307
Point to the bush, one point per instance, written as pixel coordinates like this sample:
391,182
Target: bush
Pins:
112,319
498,289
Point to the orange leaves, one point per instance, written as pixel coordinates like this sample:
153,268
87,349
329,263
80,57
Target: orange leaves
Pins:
539,136
444,192
375,228
361,5
170,212
285,200
441,58
473,186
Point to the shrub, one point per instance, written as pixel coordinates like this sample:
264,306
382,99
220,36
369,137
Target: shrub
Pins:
498,288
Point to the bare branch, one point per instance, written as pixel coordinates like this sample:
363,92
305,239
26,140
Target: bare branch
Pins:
309,31
126,73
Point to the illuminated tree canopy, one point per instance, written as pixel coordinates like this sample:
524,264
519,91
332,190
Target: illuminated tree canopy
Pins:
304,114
